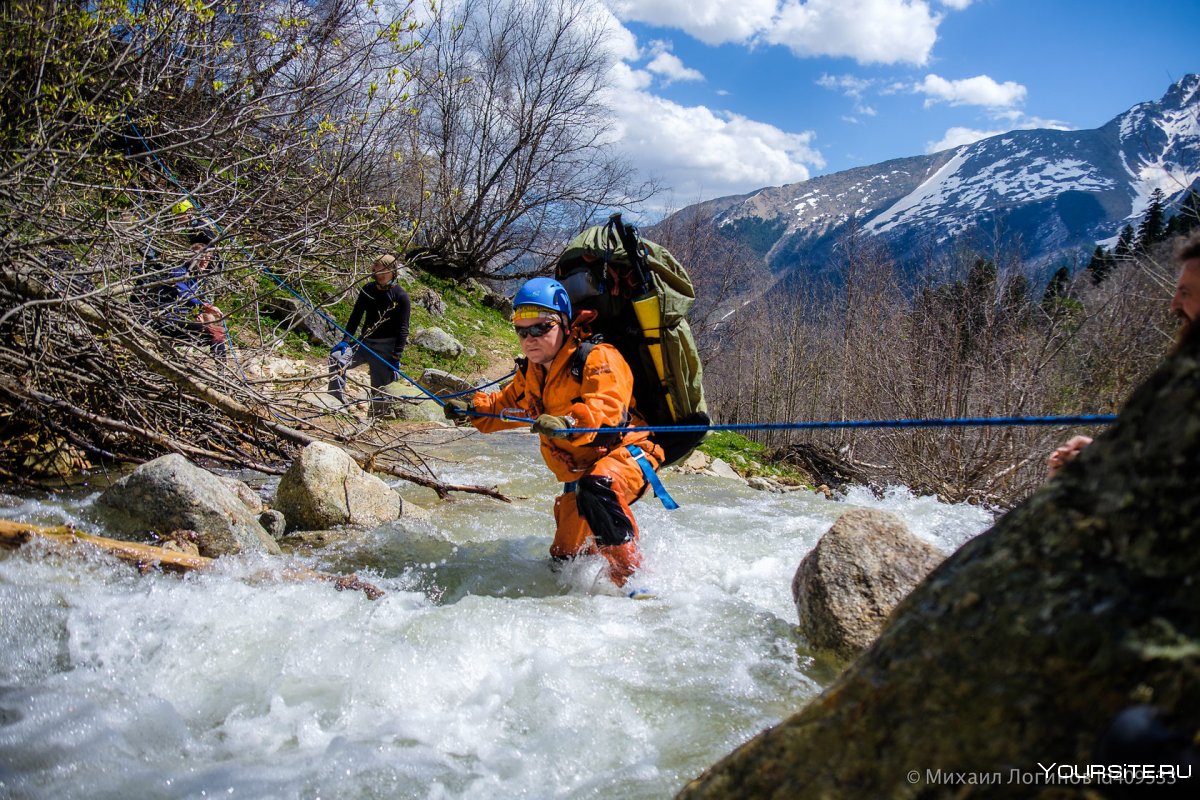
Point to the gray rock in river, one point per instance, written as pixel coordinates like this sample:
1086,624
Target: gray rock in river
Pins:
273,522
250,498
324,488
441,382
848,584
170,493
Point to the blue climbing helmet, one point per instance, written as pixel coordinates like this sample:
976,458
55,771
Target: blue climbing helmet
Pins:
543,293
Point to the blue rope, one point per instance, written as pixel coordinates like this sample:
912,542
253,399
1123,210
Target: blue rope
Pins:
951,422
278,280
472,390
947,422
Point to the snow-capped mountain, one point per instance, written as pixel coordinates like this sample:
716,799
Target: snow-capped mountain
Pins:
1044,193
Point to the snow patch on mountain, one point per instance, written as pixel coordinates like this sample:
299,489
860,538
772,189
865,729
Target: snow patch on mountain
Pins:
1172,167
924,199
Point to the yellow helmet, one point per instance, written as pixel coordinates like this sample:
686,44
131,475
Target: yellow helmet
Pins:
180,207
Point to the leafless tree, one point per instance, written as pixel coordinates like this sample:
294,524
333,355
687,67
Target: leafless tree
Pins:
516,128
730,273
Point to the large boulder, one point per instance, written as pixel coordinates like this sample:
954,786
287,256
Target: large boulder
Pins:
490,297
417,411
250,498
325,488
170,493
436,340
860,570
297,314
1034,644
441,382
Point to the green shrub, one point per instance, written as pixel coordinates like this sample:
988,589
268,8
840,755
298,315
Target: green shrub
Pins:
749,458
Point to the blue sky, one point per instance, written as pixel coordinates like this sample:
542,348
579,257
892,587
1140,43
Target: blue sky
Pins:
722,97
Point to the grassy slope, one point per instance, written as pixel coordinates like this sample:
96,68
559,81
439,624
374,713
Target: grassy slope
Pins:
485,334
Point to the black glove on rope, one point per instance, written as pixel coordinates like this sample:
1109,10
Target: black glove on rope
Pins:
457,410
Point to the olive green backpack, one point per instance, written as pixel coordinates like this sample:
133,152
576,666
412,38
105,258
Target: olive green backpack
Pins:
641,295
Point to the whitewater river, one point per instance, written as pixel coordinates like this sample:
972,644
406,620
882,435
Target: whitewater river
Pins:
480,674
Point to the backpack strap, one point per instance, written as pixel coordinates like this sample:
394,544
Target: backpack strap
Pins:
651,477
580,356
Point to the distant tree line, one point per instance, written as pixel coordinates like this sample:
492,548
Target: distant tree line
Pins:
973,338
1156,227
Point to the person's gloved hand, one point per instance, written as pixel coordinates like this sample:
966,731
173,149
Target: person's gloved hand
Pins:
552,426
456,410
396,360
339,348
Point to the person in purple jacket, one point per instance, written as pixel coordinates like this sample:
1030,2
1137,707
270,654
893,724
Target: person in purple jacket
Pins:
382,308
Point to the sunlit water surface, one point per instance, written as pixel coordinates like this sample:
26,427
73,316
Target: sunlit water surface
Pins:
481,674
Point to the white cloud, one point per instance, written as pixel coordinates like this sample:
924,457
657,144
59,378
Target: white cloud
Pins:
698,152
619,40
978,91
668,66
869,31
853,87
957,5
958,136
710,21
850,85
1018,120
625,77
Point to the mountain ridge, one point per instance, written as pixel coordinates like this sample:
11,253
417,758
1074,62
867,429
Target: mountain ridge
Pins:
1051,194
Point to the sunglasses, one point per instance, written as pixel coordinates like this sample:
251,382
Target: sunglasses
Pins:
536,331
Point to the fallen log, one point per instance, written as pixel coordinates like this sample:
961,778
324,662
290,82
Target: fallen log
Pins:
146,556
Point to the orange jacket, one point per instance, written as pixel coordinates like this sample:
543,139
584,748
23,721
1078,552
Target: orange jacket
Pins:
602,397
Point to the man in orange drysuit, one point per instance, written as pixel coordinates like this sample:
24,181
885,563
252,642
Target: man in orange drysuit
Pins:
563,383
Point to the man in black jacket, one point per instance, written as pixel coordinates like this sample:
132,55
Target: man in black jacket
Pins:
383,308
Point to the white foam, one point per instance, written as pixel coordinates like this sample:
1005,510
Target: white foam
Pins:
480,674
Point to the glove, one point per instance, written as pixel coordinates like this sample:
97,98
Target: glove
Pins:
340,347
550,425
396,360
457,410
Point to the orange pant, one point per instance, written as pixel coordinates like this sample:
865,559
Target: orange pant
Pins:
596,518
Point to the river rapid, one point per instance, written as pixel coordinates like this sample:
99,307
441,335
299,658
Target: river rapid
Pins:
481,674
